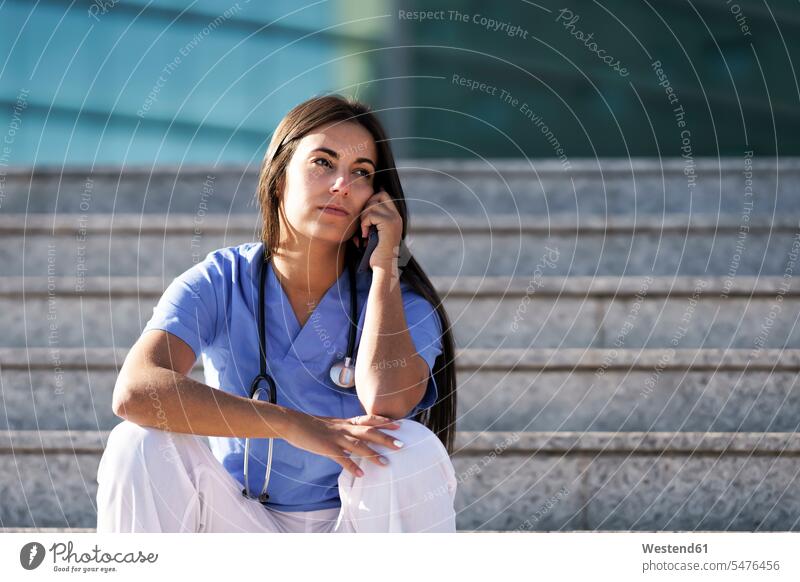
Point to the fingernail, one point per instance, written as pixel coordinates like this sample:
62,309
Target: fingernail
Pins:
359,472
398,443
383,460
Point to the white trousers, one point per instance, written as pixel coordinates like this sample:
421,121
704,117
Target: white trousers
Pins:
150,480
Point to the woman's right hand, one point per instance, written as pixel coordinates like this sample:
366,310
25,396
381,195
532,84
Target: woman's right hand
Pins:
336,438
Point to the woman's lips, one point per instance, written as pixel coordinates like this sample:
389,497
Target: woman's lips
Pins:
334,212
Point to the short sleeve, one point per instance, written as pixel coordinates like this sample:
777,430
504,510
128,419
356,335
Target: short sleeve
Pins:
189,307
426,333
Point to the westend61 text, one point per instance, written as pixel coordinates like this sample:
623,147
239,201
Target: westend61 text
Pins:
671,549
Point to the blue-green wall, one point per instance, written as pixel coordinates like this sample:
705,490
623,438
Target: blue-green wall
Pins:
151,84
79,89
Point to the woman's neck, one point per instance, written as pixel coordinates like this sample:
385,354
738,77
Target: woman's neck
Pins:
308,267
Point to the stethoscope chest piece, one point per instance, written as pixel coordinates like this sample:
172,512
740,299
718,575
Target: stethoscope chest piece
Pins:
343,374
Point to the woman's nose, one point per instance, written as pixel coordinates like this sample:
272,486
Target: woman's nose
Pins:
340,186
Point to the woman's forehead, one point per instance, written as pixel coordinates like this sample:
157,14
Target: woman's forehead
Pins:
348,139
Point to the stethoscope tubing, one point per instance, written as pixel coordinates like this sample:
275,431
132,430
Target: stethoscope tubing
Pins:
272,391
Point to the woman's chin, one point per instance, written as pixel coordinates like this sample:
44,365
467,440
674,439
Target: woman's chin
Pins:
328,236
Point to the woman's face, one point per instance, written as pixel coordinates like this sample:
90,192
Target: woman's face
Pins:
334,164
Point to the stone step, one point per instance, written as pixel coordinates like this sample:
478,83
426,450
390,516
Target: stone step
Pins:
167,245
518,390
49,530
519,481
83,530
438,187
486,312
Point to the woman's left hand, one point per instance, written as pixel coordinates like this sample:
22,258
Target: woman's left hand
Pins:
381,212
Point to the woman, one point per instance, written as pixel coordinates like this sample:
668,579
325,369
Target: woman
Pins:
369,458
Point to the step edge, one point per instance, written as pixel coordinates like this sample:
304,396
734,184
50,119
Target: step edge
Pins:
483,359
468,443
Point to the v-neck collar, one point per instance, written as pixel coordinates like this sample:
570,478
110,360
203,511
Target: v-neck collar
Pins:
299,343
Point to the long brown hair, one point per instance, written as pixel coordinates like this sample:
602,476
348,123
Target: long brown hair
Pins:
301,120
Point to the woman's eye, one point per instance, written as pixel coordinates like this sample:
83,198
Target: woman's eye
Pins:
326,162
365,173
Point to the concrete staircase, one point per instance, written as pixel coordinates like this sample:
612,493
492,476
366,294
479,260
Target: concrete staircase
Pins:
628,345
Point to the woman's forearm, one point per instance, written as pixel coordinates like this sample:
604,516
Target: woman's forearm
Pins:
165,399
389,375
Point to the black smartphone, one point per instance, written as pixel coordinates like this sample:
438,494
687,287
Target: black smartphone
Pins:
368,245
371,242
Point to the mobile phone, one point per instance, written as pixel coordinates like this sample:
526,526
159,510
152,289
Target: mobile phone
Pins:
371,243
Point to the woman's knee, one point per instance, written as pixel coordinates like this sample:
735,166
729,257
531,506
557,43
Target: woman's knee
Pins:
131,446
421,451
416,436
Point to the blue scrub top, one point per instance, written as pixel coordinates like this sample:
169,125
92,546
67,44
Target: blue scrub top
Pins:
211,307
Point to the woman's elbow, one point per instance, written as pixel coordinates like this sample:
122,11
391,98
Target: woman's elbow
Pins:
394,407
123,400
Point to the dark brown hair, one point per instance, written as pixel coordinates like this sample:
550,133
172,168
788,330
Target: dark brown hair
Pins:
298,122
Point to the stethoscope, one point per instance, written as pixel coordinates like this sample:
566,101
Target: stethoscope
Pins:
342,373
